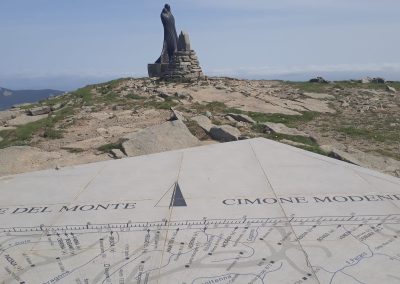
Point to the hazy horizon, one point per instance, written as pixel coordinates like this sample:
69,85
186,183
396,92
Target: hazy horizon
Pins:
68,44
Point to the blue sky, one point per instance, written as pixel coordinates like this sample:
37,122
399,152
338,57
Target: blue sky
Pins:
68,43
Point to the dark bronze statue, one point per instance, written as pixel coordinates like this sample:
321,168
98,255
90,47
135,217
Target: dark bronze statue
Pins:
170,45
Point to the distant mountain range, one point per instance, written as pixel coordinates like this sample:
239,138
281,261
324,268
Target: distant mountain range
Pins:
8,97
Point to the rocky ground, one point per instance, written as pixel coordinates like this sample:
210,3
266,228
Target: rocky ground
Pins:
353,121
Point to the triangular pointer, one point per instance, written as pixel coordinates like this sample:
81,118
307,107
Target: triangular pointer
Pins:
177,199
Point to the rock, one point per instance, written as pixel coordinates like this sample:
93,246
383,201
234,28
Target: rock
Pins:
1,139
57,107
224,133
85,145
241,117
39,110
184,42
172,135
208,114
293,143
102,131
319,96
164,94
117,154
340,155
176,115
280,128
345,104
183,95
7,128
318,80
18,159
9,114
204,122
390,89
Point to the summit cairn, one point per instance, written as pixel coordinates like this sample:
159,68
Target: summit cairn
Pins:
185,64
177,61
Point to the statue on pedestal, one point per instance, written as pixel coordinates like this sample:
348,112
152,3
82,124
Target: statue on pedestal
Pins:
170,45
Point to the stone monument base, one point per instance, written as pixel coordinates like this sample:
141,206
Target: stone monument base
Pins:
157,69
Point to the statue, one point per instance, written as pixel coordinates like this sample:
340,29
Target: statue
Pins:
170,45
177,61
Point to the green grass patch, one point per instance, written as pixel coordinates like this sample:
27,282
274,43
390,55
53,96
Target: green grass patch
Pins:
167,104
135,97
343,85
213,107
85,94
379,135
108,147
23,134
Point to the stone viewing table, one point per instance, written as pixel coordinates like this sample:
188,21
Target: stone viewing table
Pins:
253,211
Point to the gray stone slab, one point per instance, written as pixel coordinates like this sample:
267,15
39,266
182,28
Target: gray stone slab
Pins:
251,211
168,136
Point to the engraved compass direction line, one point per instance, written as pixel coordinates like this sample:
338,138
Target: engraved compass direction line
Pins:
196,224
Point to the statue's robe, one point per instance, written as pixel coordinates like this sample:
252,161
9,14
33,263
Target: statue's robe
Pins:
170,45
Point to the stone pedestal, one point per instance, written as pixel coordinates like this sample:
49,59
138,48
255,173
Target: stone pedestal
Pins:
157,69
185,64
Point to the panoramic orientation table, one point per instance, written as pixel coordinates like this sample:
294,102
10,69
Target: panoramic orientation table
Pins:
253,211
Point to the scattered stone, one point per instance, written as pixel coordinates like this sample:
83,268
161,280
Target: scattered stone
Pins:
39,110
390,89
208,114
224,133
102,115
318,80
57,107
176,115
172,135
241,117
164,94
183,95
319,96
345,104
117,154
7,128
280,128
204,122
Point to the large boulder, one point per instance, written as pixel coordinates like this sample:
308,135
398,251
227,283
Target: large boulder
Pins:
39,110
224,133
280,128
204,122
171,135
